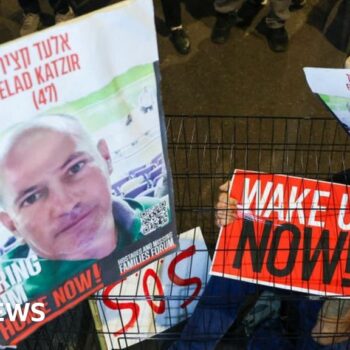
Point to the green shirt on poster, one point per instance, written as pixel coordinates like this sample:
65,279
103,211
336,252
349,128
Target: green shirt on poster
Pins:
53,273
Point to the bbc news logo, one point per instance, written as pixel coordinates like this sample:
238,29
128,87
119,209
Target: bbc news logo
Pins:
22,312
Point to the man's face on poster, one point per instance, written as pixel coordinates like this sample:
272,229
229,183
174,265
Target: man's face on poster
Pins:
57,195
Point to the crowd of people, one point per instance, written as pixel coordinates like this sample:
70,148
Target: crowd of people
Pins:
228,13
31,14
231,13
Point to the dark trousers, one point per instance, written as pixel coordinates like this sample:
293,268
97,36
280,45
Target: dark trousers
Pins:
32,6
172,12
215,312
219,306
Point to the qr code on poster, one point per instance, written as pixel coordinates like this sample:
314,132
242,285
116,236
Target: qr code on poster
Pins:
155,217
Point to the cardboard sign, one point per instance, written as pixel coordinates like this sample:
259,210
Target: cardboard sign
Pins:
85,184
157,297
290,233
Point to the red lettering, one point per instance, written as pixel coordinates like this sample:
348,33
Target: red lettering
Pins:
63,294
43,300
184,281
75,62
19,325
84,281
72,288
7,330
159,309
116,305
39,75
64,42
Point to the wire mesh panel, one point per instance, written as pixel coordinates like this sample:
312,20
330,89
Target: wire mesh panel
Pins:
203,152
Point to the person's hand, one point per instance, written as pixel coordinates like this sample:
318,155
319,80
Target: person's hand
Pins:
226,207
333,323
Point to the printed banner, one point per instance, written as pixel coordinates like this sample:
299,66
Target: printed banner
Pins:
85,186
333,87
154,299
290,232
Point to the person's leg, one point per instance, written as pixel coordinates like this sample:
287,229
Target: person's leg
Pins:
215,312
270,335
59,6
297,5
29,6
230,13
307,310
247,12
31,16
279,13
172,13
347,63
332,325
308,315
299,315
225,19
63,12
273,25
172,16
227,6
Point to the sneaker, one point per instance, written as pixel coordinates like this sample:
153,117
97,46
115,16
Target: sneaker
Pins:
297,5
180,40
222,27
31,23
277,38
63,17
247,13
347,63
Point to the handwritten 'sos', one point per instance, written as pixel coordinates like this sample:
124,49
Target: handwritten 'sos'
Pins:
158,307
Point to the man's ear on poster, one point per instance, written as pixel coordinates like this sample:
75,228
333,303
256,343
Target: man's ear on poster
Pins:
105,154
6,221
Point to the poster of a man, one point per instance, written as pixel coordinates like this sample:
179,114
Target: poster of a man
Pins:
56,199
55,191
85,200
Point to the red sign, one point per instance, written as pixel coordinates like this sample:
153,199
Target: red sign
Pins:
290,232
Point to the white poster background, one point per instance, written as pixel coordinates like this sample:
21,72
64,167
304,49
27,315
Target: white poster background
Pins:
333,86
132,43
328,81
131,290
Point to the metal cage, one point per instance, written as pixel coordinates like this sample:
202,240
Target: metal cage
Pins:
203,153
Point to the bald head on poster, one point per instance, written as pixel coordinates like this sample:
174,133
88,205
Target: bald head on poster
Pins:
55,189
